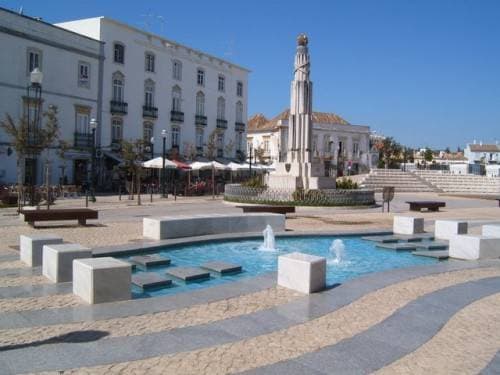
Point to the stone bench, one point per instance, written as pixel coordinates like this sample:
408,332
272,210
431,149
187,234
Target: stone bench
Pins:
445,229
200,225
98,280
472,247
491,230
407,225
302,272
57,260
31,247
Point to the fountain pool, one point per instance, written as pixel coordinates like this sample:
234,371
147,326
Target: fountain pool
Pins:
358,257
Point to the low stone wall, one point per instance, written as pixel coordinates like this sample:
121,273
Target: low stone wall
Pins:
330,197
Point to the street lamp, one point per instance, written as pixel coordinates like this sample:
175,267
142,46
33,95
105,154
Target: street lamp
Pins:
93,126
152,144
164,137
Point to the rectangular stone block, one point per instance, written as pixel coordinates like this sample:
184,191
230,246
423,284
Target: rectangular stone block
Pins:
473,247
445,229
98,280
145,261
221,267
302,272
146,280
31,247
491,230
189,273
407,225
200,225
58,259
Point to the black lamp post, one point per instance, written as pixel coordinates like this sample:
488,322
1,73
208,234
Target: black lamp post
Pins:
93,126
34,96
152,144
164,137
250,158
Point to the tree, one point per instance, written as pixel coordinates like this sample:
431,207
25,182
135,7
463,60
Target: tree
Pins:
447,150
228,148
27,142
133,154
428,155
189,151
389,151
259,155
212,145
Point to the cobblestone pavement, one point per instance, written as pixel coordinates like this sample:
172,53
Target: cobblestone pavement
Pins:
298,339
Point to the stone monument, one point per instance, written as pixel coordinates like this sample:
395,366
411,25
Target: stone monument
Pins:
299,171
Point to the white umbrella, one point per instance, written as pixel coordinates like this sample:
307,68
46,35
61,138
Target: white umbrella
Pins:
158,163
200,165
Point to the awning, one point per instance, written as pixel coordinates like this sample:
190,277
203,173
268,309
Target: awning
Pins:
158,163
181,165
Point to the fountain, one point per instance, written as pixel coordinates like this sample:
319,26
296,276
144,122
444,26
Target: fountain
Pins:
337,249
268,244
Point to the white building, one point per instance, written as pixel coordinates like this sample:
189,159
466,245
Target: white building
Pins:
71,65
336,142
482,153
152,84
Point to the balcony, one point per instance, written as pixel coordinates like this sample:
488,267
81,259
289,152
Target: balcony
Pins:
200,120
176,116
221,124
220,153
239,126
151,112
118,107
199,151
83,140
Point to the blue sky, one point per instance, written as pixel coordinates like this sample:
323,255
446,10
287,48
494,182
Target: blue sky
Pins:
425,72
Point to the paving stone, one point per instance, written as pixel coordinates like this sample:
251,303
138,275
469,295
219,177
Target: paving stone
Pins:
438,254
222,267
433,245
397,246
381,239
189,273
150,280
150,260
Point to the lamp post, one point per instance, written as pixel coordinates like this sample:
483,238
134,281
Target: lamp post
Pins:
34,96
152,143
93,126
164,137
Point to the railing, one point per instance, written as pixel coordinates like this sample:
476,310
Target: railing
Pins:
220,153
221,123
148,111
239,126
118,107
199,151
177,116
200,120
83,140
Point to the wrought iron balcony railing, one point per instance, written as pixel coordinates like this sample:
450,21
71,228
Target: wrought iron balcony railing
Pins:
177,116
148,111
221,123
239,126
83,140
200,120
118,107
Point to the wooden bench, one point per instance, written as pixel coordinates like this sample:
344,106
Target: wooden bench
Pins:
273,209
430,205
80,214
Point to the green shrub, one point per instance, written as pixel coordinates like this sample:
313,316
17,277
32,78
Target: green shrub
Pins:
347,184
254,182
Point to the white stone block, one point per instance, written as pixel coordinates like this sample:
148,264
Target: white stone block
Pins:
200,225
302,272
31,247
57,260
98,280
472,247
491,230
445,229
407,225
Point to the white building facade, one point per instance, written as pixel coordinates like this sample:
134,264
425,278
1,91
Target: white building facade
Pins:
151,84
482,153
71,65
343,147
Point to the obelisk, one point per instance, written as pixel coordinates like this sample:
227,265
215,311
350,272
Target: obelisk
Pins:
300,171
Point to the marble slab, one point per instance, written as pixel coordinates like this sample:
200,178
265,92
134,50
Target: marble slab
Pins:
189,273
432,245
438,254
381,239
152,260
222,267
491,230
302,272
445,229
31,247
147,280
472,247
58,260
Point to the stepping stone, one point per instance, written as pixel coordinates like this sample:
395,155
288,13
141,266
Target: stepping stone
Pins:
381,239
438,254
133,265
150,260
397,246
146,280
189,273
221,267
434,245
415,237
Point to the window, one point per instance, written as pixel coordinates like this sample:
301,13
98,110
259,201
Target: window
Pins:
176,99
239,141
200,77
177,70
150,62
149,91
315,144
239,88
34,60
220,144
221,108
355,149
199,138
82,123
221,83
200,104
119,53
116,130
147,131
266,144
84,74
176,135
118,87
239,112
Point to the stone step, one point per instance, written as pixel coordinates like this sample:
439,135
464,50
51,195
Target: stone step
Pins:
433,245
189,273
381,239
397,246
145,261
222,267
146,280
438,254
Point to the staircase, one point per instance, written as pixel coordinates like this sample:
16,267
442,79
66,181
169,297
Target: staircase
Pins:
402,181
461,184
